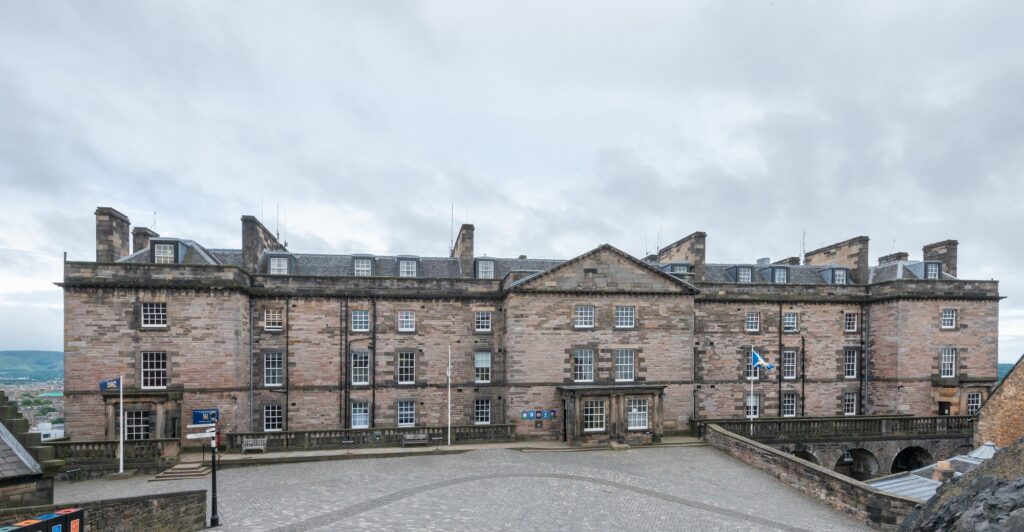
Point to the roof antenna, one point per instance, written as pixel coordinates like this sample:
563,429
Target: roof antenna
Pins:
277,222
261,209
803,246
286,226
154,220
647,250
893,249
451,232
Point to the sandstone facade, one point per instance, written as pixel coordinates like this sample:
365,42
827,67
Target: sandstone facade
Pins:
283,341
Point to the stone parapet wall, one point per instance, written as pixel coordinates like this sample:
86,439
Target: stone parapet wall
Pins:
843,493
1001,418
170,512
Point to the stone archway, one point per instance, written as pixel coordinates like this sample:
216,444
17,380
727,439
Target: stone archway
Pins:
859,464
910,459
806,455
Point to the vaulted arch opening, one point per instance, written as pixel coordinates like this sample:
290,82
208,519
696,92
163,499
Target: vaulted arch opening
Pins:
859,464
910,459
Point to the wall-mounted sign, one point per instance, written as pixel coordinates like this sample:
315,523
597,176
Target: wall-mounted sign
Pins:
205,415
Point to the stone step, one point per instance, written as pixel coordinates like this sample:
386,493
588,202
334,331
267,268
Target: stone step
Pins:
182,472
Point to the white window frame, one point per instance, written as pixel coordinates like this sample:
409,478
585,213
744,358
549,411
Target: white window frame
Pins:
361,412
163,253
407,268
154,314
790,322
482,367
851,322
405,369
273,418
947,363
154,375
485,269
360,368
360,320
751,406
625,317
481,411
583,316
789,404
482,321
744,275
406,413
273,319
932,271
362,267
594,415
406,321
789,364
625,365
948,318
973,403
276,265
752,322
583,365
136,425
839,276
637,414
850,403
780,279
752,372
273,368
851,361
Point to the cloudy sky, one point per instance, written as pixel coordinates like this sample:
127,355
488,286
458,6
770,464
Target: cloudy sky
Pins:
553,128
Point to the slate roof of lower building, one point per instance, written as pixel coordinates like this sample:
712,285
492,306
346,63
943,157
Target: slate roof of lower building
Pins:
15,461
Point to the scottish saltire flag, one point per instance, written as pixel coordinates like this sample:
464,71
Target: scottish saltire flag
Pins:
758,362
112,384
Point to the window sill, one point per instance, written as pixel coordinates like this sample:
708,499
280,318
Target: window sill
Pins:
788,415
849,378
153,388
593,431
361,330
748,331
791,332
789,378
273,331
273,430
354,384
272,385
407,426
481,423
625,380
154,328
360,426
481,382
591,381
481,332
406,383
637,429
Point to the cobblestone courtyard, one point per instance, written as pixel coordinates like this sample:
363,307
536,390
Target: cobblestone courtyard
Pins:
681,488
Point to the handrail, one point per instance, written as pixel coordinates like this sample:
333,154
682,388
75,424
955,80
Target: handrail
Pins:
844,427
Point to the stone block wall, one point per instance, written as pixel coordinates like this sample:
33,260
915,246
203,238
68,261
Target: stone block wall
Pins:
1001,419
170,512
29,492
852,254
840,492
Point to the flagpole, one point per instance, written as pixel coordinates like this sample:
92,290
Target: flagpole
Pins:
449,395
120,439
750,397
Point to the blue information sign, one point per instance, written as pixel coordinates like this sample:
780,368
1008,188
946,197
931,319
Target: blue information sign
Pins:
547,414
554,414
531,415
205,415
524,414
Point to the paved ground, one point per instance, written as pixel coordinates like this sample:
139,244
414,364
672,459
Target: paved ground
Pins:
669,488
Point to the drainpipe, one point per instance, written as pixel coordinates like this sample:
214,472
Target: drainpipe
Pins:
861,395
803,376
287,357
345,356
778,374
373,364
251,317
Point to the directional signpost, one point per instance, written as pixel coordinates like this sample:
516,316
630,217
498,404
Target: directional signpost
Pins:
207,419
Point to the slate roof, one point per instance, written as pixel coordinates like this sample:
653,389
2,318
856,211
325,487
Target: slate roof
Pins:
919,483
902,269
15,461
194,254
726,273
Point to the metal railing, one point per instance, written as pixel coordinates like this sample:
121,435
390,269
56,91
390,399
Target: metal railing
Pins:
376,437
842,428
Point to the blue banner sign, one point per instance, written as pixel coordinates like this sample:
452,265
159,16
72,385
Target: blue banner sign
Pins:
205,415
112,385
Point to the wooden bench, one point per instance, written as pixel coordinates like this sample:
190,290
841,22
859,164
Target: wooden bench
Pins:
415,439
253,444
73,475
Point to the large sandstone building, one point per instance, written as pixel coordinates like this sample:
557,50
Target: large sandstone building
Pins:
602,346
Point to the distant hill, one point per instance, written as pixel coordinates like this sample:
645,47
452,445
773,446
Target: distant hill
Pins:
1003,370
34,365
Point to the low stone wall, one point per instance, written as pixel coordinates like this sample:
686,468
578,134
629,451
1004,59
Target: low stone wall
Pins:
841,492
30,492
170,512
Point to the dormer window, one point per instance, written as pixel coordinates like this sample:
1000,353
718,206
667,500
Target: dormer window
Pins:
278,265
163,253
407,268
838,276
743,275
485,269
932,270
362,267
780,275
679,268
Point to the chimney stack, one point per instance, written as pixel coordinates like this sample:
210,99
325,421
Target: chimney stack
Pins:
893,257
255,240
111,235
944,252
943,471
141,237
463,250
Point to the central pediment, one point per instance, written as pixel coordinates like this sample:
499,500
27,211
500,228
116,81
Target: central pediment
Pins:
605,269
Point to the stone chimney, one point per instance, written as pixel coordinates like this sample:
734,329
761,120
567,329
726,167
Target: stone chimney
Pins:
943,471
141,237
255,240
944,252
791,261
463,250
893,257
852,254
691,249
111,235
